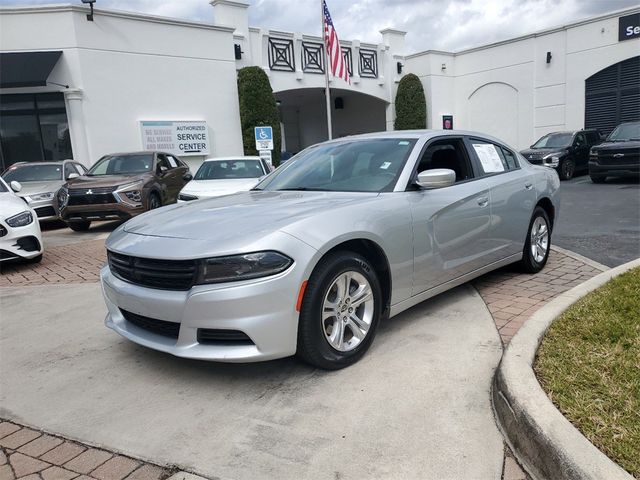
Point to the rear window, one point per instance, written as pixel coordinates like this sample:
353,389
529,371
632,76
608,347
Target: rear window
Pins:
33,173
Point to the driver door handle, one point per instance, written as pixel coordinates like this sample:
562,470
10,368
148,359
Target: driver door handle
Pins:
528,185
483,201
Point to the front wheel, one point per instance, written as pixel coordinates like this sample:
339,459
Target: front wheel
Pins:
154,201
79,225
538,243
567,169
340,311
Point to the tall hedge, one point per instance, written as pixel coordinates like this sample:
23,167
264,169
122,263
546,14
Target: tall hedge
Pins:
411,106
257,108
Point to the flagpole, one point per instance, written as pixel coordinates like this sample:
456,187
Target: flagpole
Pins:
327,91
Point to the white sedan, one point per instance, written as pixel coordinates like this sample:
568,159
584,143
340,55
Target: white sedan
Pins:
224,176
20,236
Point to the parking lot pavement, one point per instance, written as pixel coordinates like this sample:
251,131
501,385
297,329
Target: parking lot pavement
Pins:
416,406
600,221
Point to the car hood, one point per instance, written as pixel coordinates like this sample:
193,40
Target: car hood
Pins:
241,217
204,188
541,152
31,188
11,205
632,145
102,181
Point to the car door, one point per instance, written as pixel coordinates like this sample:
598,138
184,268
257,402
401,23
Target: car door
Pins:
170,178
512,196
450,224
581,151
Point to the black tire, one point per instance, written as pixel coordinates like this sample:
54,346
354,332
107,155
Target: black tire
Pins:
598,178
567,169
154,201
37,259
79,225
529,263
313,345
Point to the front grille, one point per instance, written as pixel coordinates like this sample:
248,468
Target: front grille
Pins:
154,273
45,211
91,196
216,336
629,158
159,327
3,231
28,244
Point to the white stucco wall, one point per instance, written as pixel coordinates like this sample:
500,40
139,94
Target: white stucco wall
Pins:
126,68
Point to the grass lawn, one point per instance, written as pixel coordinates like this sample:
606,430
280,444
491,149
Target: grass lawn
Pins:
589,365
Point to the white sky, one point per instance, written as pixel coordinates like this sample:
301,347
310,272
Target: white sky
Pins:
431,24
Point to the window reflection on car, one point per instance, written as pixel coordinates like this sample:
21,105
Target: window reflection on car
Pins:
33,173
122,165
229,169
554,140
625,133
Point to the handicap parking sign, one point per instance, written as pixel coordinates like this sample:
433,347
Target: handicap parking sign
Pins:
264,138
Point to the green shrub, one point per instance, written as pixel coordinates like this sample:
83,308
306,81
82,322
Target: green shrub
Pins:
411,106
257,108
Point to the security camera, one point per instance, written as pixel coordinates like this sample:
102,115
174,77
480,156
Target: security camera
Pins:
90,14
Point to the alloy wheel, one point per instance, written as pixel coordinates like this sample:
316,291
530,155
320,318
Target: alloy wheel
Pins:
539,243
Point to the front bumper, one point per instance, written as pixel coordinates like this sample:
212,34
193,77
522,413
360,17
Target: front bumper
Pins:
45,210
596,168
107,211
263,309
21,242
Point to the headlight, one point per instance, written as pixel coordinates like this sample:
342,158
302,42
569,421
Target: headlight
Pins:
63,197
40,196
130,191
551,160
20,220
242,267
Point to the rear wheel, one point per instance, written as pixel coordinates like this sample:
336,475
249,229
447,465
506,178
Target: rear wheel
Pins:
340,311
598,178
79,225
567,169
538,243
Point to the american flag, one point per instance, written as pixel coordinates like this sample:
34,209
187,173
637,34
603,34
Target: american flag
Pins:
336,58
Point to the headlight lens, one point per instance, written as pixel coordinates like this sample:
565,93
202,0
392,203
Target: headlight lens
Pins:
20,220
551,160
63,197
132,191
242,267
40,196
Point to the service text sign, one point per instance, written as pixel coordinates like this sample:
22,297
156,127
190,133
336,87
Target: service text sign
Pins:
629,27
181,138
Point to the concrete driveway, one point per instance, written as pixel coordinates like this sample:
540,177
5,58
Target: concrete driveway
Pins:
417,406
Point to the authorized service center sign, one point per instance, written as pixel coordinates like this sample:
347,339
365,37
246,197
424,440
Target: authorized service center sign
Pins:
179,138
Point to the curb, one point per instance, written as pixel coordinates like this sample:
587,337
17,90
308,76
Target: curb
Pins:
541,438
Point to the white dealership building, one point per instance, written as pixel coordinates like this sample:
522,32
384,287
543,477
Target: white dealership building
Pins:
74,87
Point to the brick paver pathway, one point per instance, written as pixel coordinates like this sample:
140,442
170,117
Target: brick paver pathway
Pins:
511,297
32,455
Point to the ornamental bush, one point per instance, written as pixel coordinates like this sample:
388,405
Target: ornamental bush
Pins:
257,108
411,106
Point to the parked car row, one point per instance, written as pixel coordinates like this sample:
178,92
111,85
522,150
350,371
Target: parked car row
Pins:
587,151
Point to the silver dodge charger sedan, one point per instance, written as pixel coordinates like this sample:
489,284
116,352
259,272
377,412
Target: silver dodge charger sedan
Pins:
347,233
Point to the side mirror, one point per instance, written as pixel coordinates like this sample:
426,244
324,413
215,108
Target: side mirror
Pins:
187,177
71,176
436,178
15,186
162,169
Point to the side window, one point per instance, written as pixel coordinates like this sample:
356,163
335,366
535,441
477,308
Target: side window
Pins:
172,161
448,153
68,170
82,170
163,163
493,158
580,140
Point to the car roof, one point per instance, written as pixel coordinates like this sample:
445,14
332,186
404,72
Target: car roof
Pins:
227,159
48,162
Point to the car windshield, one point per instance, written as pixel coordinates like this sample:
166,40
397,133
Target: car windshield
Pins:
229,169
363,165
123,165
33,173
625,132
3,187
554,140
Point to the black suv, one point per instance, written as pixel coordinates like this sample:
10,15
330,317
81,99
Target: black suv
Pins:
619,155
567,152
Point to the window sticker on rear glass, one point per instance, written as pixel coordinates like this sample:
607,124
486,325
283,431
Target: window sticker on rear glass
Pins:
489,157
403,142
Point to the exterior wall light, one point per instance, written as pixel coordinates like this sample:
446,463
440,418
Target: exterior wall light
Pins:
548,57
399,66
90,14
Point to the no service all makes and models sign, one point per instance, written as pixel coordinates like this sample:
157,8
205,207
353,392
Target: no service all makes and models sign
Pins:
181,138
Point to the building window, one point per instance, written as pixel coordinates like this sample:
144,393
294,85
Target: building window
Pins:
33,128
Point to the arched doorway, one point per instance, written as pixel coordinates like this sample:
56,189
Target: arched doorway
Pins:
612,96
304,117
